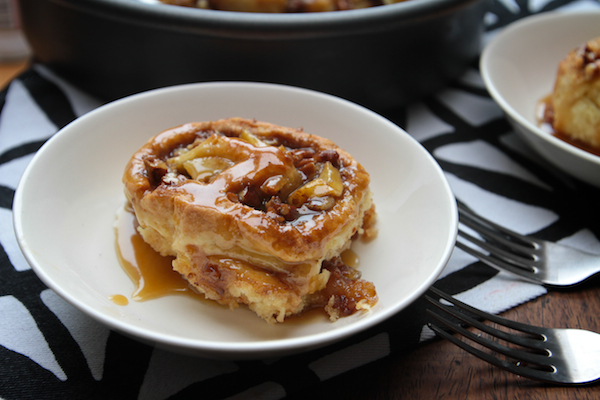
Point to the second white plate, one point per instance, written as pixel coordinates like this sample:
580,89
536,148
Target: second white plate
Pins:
519,68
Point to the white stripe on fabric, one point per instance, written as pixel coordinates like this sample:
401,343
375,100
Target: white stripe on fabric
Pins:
422,124
22,120
520,217
473,109
501,293
22,336
484,156
91,336
8,239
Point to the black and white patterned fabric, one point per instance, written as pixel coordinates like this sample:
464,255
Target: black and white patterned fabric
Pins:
48,349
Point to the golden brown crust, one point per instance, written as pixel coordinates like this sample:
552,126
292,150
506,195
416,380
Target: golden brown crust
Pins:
576,96
264,206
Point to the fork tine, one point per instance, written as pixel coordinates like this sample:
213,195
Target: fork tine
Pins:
528,274
542,369
499,253
493,236
510,241
520,263
520,355
510,367
517,369
479,223
533,330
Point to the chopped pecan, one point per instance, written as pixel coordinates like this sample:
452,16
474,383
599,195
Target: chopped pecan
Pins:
286,211
155,169
329,155
298,155
250,197
309,170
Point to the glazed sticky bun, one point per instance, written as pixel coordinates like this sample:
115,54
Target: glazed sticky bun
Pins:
572,111
255,214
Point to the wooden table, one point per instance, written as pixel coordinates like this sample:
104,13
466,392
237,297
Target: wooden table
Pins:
440,370
10,70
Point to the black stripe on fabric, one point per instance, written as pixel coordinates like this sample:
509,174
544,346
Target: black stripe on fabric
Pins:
3,98
21,151
49,97
25,287
6,197
125,366
21,375
292,373
506,16
250,375
466,278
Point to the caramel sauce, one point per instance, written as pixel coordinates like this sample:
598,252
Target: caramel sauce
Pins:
306,317
119,299
151,273
350,258
254,167
545,120
251,165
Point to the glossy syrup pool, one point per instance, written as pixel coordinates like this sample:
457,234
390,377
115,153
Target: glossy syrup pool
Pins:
151,273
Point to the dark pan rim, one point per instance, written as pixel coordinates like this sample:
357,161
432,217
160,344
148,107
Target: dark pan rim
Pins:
226,23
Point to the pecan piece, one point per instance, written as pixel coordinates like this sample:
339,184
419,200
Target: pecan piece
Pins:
155,169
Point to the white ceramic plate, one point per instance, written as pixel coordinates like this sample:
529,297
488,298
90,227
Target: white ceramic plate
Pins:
519,68
65,206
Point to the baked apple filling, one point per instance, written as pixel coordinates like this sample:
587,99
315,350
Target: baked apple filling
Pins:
255,214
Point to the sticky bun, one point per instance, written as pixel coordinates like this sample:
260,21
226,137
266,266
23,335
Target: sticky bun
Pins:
255,214
573,109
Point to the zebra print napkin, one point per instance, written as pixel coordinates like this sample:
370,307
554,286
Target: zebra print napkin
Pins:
48,349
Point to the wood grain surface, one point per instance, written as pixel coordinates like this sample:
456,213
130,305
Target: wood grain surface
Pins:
10,70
